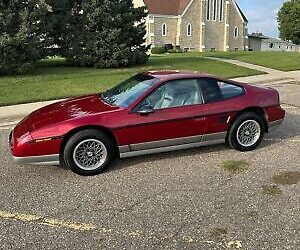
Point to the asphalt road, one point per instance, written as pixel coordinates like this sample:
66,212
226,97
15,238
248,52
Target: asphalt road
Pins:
178,200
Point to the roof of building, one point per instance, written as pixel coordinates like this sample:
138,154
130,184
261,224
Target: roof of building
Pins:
175,7
170,7
258,36
241,12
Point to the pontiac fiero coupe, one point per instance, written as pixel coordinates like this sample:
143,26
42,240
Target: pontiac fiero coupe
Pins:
150,112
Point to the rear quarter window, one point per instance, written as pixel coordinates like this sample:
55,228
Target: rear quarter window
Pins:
214,90
230,90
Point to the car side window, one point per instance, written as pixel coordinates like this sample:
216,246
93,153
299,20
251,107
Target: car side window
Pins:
230,90
175,93
210,90
214,90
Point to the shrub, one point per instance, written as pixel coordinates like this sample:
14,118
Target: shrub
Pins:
174,51
96,33
106,34
17,55
20,35
158,50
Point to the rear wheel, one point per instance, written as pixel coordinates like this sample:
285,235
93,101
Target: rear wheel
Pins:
88,152
247,132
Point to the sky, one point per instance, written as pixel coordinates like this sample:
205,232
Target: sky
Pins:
262,15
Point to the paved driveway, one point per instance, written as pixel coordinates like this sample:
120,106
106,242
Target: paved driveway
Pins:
289,93
178,200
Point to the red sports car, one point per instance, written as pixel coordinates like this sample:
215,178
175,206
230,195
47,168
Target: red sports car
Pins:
149,113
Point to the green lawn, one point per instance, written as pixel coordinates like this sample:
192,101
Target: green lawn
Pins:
53,79
285,61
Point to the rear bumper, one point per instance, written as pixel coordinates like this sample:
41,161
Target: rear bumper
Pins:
275,124
38,160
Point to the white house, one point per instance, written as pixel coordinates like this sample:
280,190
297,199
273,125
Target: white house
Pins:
259,42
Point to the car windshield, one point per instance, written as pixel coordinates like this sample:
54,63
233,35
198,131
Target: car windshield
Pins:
129,91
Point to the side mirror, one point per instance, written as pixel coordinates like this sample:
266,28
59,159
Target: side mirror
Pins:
145,110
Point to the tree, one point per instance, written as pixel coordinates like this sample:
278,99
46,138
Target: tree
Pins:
97,33
56,29
289,21
106,34
21,34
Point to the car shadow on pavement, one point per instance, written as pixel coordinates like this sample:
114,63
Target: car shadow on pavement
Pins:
152,158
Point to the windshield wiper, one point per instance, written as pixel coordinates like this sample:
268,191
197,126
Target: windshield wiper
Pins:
108,99
105,98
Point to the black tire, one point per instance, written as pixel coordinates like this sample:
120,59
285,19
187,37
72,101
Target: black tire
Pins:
100,139
246,118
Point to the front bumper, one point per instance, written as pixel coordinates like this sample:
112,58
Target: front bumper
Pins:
38,160
23,153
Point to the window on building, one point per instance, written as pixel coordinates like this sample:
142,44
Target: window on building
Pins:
208,9
271,45
236,31
215,10
189,30
221,15
164,29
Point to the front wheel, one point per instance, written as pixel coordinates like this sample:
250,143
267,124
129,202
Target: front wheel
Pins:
88,152
247,132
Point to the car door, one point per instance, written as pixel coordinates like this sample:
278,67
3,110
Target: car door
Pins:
220,104
176,117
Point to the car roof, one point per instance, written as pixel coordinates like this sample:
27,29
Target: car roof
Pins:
167,75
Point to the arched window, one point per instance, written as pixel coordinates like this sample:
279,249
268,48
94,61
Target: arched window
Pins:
208,10
164,29
215,10
189,30
236,31
221,16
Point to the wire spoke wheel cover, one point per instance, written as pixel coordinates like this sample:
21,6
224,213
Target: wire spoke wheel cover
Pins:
90,154
248,133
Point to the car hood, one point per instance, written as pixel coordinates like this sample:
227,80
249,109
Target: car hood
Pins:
68,110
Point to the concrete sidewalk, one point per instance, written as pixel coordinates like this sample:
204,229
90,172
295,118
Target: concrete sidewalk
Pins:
272,76
12,114
246,65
